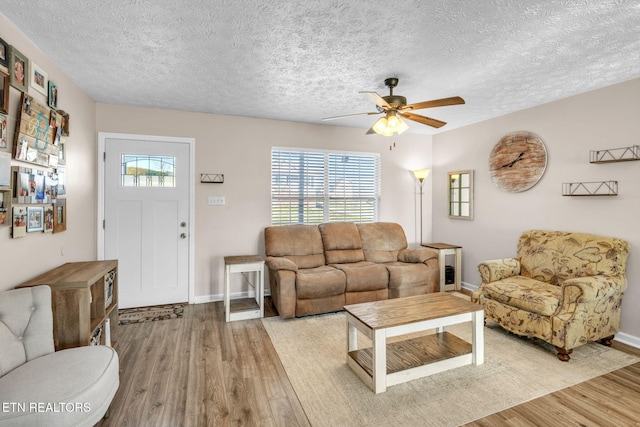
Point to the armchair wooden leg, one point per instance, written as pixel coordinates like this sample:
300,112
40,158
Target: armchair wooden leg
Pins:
607,340
563,354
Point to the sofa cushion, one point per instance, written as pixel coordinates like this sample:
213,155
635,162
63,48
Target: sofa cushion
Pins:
403,274
364,276
320,282
84,380
342,242
302,244
555,256
526,294
381,241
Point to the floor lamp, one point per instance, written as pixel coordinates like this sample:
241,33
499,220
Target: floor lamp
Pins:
420,176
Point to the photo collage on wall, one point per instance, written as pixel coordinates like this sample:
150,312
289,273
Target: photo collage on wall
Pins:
33,157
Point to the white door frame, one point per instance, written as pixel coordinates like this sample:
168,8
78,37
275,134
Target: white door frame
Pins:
102,137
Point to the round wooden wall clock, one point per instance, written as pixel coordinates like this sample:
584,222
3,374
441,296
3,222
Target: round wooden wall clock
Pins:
518,161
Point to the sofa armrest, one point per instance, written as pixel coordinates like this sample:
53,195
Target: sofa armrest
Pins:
281,263
592,288
498,269
417,255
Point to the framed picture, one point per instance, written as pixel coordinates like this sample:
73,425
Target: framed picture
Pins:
53,95
61,173
39,79
19,222
4,53
60,216
4,93
35,219
48,219
18,69
64,117
62,155
3,132
5,169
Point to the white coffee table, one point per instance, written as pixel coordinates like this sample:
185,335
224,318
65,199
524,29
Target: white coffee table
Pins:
386,364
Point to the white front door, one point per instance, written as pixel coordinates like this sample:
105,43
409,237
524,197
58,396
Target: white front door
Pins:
146,218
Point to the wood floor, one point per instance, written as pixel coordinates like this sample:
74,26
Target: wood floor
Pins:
202,371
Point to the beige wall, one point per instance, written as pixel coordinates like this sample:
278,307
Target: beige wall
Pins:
23,258
570,128
240,148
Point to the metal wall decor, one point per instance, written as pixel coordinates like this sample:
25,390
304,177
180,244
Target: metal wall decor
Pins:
596,188
212,178
611,155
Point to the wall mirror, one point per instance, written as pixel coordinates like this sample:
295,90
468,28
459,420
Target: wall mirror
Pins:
461,194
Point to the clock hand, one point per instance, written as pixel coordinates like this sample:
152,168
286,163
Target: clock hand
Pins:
510,164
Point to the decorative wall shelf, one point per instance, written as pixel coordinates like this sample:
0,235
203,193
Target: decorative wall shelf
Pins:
212,178
624,154
597,188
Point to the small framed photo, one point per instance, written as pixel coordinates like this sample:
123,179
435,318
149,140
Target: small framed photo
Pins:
53,95
60,216
19,222
18,69
48,218
4,53
4,93
35,219
3,132
64,122
39,79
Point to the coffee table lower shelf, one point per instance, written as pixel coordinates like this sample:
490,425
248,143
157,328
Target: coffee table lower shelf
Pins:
415,357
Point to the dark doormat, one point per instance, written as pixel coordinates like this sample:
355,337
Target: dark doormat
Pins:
148,314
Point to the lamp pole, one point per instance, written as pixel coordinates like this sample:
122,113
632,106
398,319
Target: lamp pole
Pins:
421,175
421,193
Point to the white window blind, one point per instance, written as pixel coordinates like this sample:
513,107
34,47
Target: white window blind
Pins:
310,187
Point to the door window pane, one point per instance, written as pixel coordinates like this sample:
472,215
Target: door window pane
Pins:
141,170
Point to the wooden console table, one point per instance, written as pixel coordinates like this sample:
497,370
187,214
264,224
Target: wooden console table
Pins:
84,300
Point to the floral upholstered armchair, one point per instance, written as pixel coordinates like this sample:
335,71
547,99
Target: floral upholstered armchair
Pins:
564,288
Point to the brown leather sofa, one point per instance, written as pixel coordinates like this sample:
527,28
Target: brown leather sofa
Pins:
321,268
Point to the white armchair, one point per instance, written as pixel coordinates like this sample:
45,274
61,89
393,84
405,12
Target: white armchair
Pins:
42,387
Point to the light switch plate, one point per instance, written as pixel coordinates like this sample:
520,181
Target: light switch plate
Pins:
216,201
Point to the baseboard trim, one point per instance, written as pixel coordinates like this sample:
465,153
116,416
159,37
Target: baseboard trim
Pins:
469,286
627,339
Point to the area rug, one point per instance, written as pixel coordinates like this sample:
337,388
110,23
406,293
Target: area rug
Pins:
148,314
312,351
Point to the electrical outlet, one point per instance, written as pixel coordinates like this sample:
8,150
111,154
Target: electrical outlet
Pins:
216,201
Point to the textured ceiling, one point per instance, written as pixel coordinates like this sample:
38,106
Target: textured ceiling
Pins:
304,60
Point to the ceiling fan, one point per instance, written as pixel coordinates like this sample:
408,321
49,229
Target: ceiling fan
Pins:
395,106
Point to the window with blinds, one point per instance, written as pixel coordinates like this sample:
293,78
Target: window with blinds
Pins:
310,187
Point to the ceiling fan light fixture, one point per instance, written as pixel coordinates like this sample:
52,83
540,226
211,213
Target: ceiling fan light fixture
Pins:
402,126
380,126
390,124
392,120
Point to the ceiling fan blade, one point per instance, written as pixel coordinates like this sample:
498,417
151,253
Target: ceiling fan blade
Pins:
351,115
424,120
377,99
456,100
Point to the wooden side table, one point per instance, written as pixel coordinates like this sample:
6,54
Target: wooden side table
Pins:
445,249
244,309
